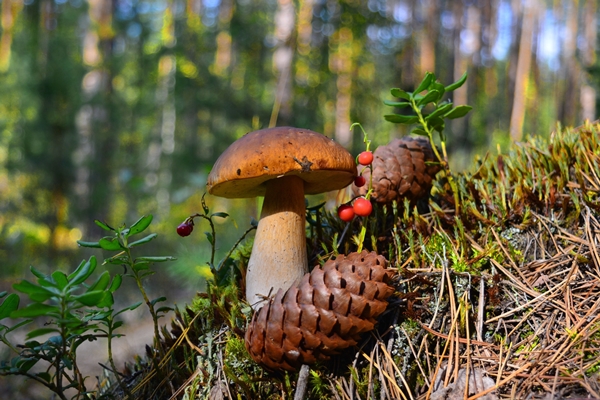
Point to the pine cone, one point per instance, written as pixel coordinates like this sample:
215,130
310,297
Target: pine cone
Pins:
325,313
400,171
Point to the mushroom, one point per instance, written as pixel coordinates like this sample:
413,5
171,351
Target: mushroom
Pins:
281,164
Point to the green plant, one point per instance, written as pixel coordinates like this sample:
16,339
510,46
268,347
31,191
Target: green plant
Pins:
74,312
430,112
137,268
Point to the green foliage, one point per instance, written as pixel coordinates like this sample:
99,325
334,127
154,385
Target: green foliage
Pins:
428,96
433,120
75,310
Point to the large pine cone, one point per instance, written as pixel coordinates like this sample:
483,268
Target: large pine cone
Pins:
400,171
326,312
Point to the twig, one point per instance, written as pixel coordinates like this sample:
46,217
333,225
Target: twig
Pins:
302,383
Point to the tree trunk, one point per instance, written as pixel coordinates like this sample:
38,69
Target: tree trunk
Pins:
282,61
517,115
588,58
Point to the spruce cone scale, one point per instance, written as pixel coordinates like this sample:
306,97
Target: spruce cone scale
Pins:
324,313
400,170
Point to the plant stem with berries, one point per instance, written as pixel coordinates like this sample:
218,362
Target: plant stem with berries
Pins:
187,226
361,205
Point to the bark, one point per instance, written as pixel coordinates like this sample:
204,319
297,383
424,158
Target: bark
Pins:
571,69
343,65
517,115
282,61
588,58
9,13
428,35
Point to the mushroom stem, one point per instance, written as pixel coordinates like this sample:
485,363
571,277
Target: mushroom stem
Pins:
279,256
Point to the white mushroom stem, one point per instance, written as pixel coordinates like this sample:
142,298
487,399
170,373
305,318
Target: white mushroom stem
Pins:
278,257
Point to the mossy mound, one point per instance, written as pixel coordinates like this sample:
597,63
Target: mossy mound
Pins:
503,288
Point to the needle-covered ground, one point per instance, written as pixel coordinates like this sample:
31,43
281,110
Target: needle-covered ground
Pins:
502,288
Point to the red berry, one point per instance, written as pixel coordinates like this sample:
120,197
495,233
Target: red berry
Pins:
362,207
360,181
185,228
346,212
365,158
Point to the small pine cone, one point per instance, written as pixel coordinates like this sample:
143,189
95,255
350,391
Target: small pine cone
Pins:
323,314
400,171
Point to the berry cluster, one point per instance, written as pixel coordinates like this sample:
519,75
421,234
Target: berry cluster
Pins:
361,205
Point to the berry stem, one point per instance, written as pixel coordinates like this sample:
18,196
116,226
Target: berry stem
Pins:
214,238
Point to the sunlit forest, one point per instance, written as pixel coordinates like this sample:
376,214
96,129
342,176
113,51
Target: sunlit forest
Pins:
111,109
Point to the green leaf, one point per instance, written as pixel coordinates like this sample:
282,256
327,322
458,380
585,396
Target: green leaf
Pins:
396,92
419,131
116,283
25,364
210,238
101,282
10,304
220,215
401,119
439,87
164,309
39,332
35,310
427,79
90,299
111,244
103,225
60,279
458,83
433,96
130,308
458,112
20,324
88,244
117,325
38,274
117,259
85,269
435,122
140,225
44,375
399,104
35,292
156,258
439,111
162,298
143,240
107,300
140,266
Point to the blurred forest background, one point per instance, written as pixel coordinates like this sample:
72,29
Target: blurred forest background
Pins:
111,109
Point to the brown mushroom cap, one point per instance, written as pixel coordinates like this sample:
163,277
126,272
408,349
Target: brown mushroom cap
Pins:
243,169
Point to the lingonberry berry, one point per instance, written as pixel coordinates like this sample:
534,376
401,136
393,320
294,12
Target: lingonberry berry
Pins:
365,158
346,212
360,181
185,228
362,207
